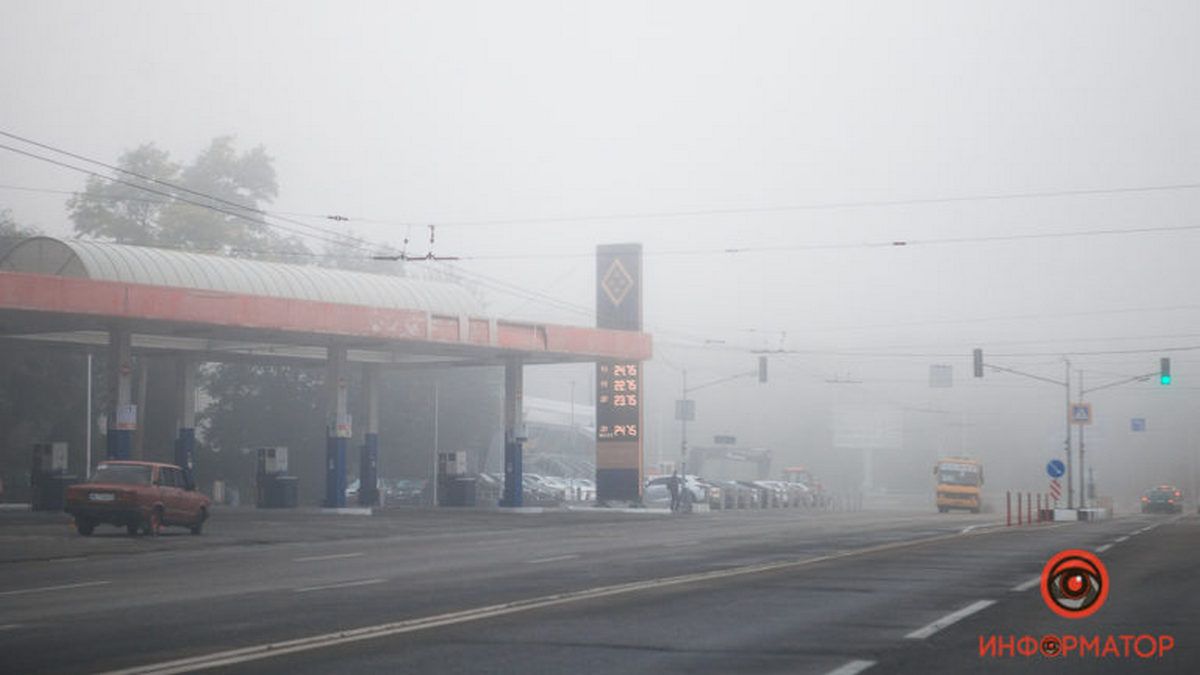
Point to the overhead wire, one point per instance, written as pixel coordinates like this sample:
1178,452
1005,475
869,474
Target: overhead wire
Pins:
185,200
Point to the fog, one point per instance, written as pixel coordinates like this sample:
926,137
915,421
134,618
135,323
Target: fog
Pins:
1039,162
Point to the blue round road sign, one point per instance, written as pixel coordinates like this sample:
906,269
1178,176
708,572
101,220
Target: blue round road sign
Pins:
1056,468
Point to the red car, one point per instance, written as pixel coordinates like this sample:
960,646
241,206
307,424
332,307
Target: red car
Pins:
139,495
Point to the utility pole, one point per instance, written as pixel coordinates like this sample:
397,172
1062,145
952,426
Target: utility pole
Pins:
683,429
1067,413
1082,474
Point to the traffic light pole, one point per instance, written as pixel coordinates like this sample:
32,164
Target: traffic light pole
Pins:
760,372
1066,384
1083,493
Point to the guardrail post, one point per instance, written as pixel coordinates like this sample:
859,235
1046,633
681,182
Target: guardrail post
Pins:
1008,508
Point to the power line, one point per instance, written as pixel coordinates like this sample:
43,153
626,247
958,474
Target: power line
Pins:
185,200
157,181
647,215
274,213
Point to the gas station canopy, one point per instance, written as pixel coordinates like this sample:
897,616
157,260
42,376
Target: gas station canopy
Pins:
228,309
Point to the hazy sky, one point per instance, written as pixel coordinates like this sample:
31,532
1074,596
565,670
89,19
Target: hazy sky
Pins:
559,113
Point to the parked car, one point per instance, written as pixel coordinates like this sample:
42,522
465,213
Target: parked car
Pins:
694,490
143,496
734,495
408,491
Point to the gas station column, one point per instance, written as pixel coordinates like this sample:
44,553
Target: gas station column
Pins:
368,475
514,432
185,443
122,413
337,434
619,384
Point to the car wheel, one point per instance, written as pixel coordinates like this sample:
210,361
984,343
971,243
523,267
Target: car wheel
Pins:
153,524
132,528
942,509
85,527
199,526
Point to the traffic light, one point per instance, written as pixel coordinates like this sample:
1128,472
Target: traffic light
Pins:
762,369
978,363
1164,371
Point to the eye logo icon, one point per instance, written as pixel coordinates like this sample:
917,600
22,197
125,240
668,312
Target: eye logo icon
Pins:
1074,584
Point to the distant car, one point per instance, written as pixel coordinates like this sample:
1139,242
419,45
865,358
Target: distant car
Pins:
141,496
408,491
1162,499
656,496
694,490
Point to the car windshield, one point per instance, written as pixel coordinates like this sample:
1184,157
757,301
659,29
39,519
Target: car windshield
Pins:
127,474
958,477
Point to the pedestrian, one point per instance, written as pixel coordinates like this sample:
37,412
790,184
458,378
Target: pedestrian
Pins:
673,487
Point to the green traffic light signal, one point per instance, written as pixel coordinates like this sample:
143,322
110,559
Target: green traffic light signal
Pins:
1164,379
1164,371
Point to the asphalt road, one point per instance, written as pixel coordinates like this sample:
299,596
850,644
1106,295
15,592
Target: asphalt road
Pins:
469,592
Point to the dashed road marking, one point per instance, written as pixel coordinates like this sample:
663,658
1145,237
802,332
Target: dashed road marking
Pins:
1118,540
1102,549
323,641
332,556
1026,585
852,668
949,619
64,587
557,558
344,584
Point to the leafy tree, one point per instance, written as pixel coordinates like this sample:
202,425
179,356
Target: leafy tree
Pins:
123,212
217,209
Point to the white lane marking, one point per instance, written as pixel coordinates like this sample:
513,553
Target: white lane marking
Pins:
332,556
268,650
9,626
852,668
1102,549
968,529
344,584
556,558
951,618
68,560
1026,585
63,587
1120,539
